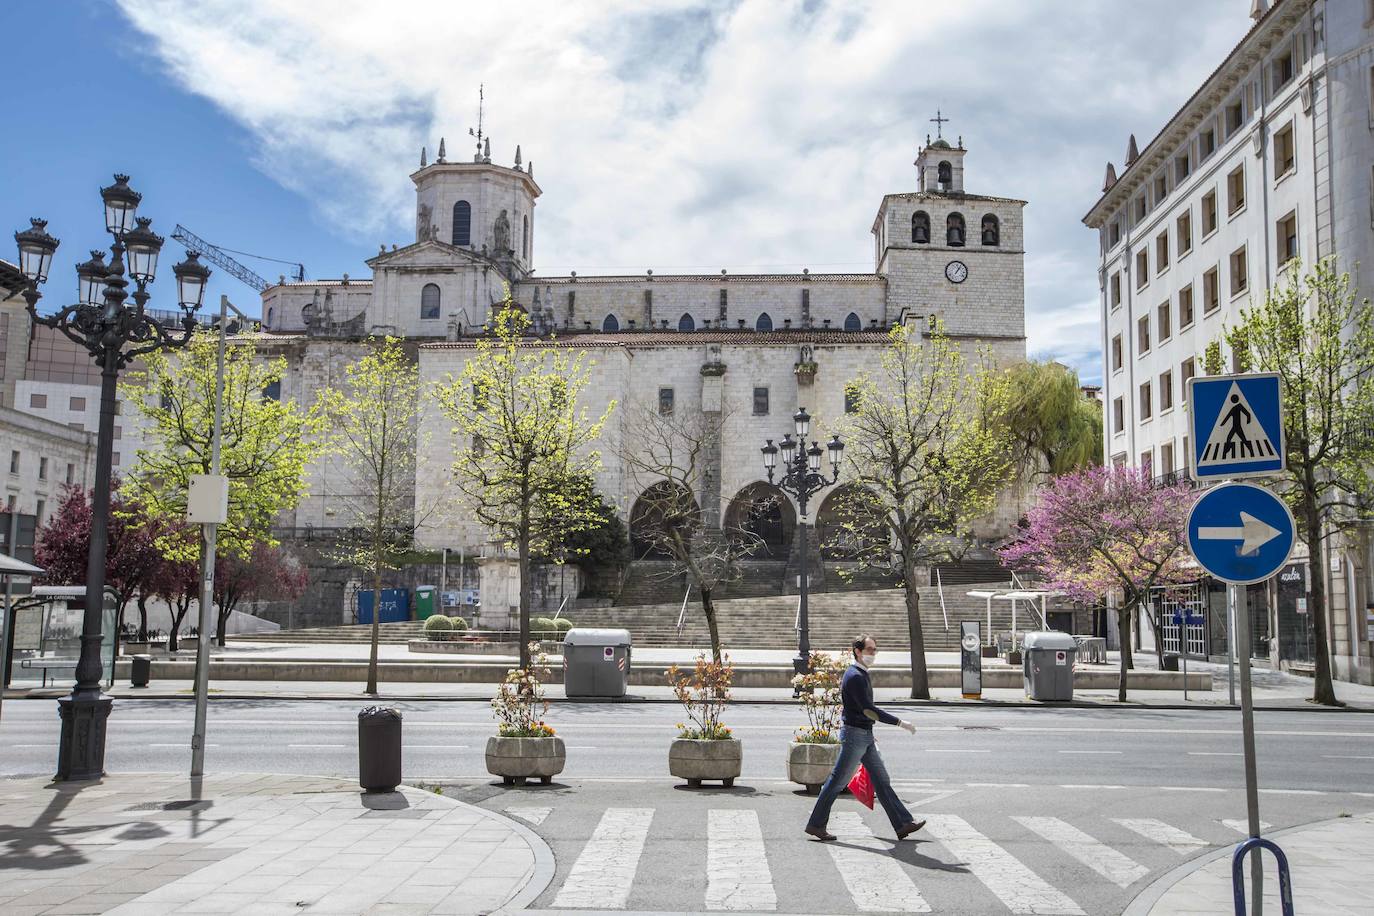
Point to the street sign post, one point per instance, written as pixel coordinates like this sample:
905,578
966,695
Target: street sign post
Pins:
1236,424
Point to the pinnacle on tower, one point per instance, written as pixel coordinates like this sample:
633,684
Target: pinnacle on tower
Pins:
422,157
1110,180
517,157
530,170
1258,8
441,150
1132,152
486,150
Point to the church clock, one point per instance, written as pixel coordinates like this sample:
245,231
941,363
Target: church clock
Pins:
956,271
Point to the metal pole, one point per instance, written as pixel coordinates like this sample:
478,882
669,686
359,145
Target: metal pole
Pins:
1247,721
1231,644
207,584
13,546
803,662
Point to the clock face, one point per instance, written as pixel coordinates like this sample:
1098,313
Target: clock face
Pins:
956,271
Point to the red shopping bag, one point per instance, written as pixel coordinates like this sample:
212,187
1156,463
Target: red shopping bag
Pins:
861,787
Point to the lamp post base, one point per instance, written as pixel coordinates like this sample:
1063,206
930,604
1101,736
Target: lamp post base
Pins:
81,754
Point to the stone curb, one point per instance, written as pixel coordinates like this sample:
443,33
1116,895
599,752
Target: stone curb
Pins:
544,863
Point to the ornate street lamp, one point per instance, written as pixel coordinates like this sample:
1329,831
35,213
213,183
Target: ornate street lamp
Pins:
802,477
114,332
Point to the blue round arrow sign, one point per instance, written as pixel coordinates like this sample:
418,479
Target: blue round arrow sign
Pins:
1240,533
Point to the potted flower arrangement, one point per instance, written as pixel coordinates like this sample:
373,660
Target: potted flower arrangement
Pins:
816,747
704,748
524,747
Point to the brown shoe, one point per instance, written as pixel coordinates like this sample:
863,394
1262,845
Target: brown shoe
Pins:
821,834
909,829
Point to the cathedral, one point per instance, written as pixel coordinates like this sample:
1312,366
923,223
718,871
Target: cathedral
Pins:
753,347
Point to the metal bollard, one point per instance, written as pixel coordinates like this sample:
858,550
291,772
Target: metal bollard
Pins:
1238,876
379,748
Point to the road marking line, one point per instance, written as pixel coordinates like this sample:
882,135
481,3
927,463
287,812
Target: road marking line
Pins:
1089,786
1347,757
959,750
178,744
877,883
1107,862
1214,753
1022,890
998,785
736,863
605,869
1189,789
326,746
1293,791
1090,752
1243,827
443,747
33,745
1180,841
534,816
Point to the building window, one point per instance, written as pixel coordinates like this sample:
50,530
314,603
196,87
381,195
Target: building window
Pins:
14,461
1161,186
1166,390
42,468
1235,117
1235,191
686,323
1116,353
1185,232
1115,233
851,400
1285,152
954,230
525,237
479,446
1142,334
1141,208
1211,291
273,391
920,227
1166,458
38,401
115,459
306,313
1118,415
1185,373
429,301
462,223
270,312
665,401
1287,237
1142,268
765,323
1162,252
1162,321
119,432
77,404
1146,401
1209,213
1185,307
1282,71
71,472
39,506
610,324
1207,142
1147,463
992,232
1240,278
852,322
760,402
1182,167
1115,287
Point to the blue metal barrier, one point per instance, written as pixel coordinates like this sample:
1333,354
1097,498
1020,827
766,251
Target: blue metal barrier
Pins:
1238,877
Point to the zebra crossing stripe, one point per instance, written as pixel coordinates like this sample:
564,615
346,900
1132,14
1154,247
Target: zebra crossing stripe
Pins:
1180,841
1107,862
876,882
1243,827
1019,888
605,869
533,816
736,863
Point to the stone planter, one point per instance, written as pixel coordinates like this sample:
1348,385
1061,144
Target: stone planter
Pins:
517,759
133,647
1014,658
810,764
694,760
989,652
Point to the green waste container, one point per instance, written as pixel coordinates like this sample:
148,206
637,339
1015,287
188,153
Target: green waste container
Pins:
424,601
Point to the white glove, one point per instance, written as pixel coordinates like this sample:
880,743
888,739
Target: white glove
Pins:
909,726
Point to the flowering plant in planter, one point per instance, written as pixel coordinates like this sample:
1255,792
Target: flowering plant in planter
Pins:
520,704
819,692
703,692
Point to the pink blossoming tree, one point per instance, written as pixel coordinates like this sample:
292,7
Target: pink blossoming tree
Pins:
1104,531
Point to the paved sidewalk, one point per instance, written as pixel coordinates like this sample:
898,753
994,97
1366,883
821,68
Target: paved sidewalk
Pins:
149,844
1330,864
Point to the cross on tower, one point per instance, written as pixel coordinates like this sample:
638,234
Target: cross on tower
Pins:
939,121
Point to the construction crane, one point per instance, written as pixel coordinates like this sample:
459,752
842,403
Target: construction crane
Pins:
224,258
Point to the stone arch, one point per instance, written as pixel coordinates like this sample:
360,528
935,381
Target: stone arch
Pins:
686,323
920,227
610,324
762,511
954,230
462,223
849,523
852,322
764,322
662,510
991,229
945,175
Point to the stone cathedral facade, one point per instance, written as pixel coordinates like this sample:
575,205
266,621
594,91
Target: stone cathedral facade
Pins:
755,346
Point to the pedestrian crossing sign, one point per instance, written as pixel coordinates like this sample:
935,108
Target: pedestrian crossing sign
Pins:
1236,426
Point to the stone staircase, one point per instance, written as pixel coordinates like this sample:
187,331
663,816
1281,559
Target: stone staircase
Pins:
353,634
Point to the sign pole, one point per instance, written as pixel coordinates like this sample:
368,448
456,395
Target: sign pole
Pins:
1231,644
1247,721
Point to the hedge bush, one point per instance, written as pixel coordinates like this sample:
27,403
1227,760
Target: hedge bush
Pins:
563,624
459,623
438,624
543,624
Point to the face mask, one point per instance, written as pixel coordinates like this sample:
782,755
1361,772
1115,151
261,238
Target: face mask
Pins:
868,658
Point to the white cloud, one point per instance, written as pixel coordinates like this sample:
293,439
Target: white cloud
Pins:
696,136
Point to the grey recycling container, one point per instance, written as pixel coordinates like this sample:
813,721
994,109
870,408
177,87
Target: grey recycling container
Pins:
596,662
379,748
1047,663
140,670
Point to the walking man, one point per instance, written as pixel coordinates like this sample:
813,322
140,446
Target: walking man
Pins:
858,747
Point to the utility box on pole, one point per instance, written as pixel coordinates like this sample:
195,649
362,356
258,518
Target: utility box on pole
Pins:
207,499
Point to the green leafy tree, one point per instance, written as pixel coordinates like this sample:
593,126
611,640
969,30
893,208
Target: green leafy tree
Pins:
523,440
604,543
925,456
374,426
1319,338
1055,426
265,443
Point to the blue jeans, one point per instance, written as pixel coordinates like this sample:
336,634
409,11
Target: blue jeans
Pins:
857,746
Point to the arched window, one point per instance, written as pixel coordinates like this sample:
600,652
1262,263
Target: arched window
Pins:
946,175
611,324
954,230
920,227
462,223
269,317
525,236
765,323
306,312
686,323
992,233
429,301
852,323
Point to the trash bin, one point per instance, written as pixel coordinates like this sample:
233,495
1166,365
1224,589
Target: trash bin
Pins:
140,670
1047,664
379,749
596,663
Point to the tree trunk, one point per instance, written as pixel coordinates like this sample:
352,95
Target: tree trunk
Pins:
376,618
181,606
223,619
1323,690
708,607
526,596
1123,623
142,617
920,678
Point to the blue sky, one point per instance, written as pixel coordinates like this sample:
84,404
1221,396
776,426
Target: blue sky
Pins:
673,135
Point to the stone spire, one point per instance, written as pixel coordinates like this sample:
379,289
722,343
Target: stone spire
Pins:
530,170
1110,179
1132,152
1258,8
442,154
486,150
517,157
423,163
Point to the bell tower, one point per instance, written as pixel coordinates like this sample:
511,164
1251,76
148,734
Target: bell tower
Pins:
939,166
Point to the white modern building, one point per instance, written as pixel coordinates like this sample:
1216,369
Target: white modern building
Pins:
1271,159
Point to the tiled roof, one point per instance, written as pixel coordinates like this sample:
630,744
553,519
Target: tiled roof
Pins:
534,280
695,338
951,195
351,282
11,278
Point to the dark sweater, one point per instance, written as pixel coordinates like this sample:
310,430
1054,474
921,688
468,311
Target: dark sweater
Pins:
857,692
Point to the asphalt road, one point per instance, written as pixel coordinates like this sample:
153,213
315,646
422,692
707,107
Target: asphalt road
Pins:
1031,810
